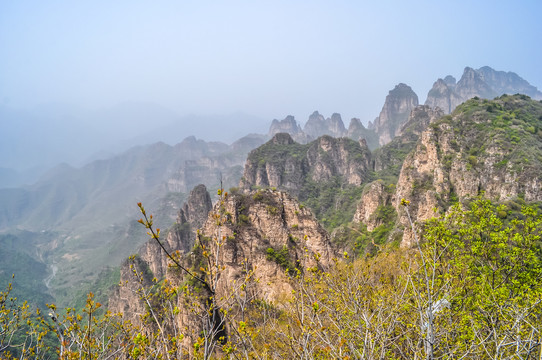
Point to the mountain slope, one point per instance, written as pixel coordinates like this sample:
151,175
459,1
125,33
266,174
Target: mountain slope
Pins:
489,148
325,174
92,209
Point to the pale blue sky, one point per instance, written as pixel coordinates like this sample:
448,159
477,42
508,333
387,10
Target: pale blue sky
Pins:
266,58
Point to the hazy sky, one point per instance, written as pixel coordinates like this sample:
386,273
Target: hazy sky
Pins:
266,58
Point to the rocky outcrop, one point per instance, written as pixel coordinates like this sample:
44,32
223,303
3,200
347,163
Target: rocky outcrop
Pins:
357,131
318,126
389,158
472,152
124,298
484,83
399,102
336,126
442,95
258,240
260,225
152,262
289,126
328,157
195,209
182,234
503,82
472,84
284,164
375,195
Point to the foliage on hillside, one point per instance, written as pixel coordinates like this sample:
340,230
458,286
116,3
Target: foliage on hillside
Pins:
510,123
471,288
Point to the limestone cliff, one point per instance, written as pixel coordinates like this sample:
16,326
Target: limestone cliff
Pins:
318,126
484,147
442,95
389,158
152,262
286,125
284,164
357,131
375,195
265,232
195,209
260,225
399,102
290,126
484,82
374,209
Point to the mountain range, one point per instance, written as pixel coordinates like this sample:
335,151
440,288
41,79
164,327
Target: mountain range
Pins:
81,220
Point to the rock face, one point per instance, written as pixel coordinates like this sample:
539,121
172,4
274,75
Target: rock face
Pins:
286,125
336,126
265,233
290,126
484,148
357,131
388,162
473,152
484,82
152,262
317,125
263,223
195,210
508,83
442,95
389,158
284,164
375,195
472,84
399,102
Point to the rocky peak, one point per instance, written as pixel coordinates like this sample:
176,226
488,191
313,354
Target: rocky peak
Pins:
328,157
484,83
263,223
181,235
508,83
472,152
287,125
355,125
399,102
266,232
443,96
390,157
336,125
316,125
152,262
450,80
472,84
195,209
357,131
282,139
284,164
